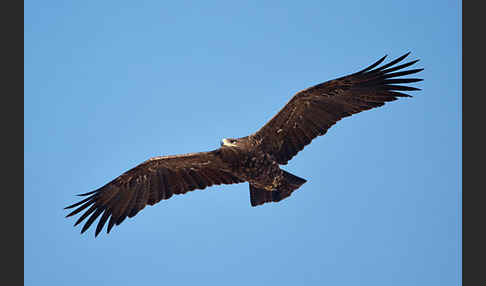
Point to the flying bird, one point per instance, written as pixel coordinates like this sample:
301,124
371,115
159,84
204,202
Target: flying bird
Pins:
255,158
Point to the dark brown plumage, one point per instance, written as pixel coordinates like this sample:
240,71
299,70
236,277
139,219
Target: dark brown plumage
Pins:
254,158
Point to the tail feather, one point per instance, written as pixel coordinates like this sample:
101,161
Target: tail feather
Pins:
261,196
293,180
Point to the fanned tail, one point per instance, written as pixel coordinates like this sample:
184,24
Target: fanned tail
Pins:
261,196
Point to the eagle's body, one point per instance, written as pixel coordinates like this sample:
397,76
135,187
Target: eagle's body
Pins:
259,168
256,158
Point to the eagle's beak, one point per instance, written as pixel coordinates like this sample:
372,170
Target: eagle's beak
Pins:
227,142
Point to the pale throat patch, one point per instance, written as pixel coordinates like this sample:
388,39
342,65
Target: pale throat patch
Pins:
227,142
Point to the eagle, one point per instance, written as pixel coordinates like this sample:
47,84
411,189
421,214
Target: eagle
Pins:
256,158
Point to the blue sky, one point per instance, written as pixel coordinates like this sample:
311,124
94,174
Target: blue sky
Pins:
110,84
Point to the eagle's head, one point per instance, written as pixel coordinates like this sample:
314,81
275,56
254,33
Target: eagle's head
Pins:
230,142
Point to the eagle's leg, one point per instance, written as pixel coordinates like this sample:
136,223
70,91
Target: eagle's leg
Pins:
287,184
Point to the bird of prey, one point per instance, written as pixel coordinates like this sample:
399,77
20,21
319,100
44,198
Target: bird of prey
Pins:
255,158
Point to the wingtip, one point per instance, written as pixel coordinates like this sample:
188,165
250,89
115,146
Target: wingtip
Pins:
89,193
71,213
78,222
375,64
71,206
382,58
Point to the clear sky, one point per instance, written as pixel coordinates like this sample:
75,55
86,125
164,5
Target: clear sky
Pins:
109,84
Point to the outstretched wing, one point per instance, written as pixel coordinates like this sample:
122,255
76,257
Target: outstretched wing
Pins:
312,111
155,179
